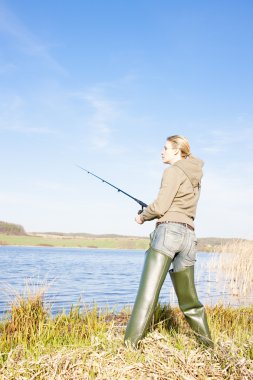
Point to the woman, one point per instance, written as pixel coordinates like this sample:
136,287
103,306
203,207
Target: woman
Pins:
172,241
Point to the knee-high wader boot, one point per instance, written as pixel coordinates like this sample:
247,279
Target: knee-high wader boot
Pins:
155,269
190,305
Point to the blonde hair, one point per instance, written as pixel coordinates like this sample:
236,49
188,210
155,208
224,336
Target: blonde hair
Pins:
181,143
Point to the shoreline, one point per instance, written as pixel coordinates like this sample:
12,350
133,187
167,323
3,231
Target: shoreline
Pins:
209,245
69,247
93,248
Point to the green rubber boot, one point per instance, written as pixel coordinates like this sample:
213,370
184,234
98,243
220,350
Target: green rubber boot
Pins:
190,305
155,269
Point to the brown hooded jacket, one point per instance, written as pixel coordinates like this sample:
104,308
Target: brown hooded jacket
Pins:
179,193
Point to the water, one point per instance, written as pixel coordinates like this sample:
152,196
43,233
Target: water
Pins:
110,278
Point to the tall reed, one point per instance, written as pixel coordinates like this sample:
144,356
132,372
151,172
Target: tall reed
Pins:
234,267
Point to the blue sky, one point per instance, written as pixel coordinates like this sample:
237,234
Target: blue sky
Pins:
102,84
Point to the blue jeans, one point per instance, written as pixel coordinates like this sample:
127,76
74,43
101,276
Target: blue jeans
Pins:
176,241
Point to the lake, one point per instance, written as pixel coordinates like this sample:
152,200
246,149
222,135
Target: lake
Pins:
106,277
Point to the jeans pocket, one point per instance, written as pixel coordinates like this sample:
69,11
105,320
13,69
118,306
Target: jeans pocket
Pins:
193,250
167,239
173,240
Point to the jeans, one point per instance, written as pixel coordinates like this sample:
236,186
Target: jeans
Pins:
176,241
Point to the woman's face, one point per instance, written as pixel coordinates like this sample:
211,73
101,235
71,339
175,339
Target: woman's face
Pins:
169,154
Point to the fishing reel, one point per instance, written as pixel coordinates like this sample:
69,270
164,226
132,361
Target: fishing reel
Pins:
142,207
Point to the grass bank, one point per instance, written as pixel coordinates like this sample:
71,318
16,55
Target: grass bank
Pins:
75,241
88,344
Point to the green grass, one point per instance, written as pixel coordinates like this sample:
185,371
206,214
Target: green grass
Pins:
88,344
79,242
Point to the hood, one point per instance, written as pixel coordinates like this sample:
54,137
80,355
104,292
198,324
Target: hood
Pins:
192,167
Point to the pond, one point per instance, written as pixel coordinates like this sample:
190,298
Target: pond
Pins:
110,278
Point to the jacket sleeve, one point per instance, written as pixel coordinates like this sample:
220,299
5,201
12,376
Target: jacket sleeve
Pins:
170,183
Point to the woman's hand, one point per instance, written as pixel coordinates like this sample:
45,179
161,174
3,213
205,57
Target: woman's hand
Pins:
139,219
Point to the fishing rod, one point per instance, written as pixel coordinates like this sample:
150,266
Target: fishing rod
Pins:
142,204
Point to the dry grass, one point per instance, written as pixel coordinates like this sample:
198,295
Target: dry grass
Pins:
235,267
89,345
162,356
158,359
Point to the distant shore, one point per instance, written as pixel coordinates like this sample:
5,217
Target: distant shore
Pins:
71,241
96,241
15,234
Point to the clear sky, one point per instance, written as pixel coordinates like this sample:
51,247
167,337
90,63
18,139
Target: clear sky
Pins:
102,84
